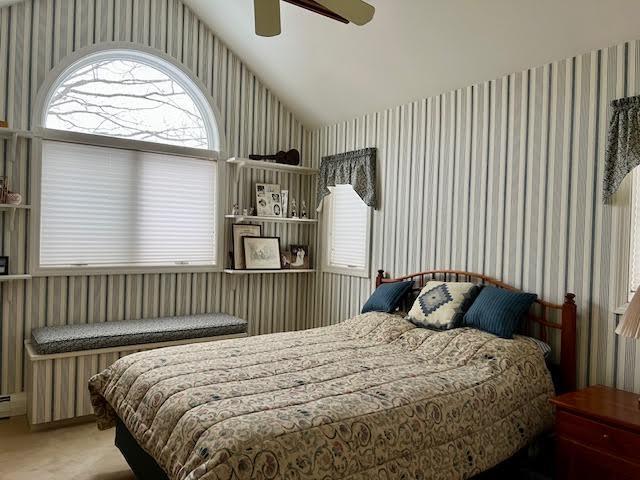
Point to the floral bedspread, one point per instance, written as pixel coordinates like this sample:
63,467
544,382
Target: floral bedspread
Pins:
371,398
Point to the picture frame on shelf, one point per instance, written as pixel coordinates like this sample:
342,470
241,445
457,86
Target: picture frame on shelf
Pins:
262,253
268,200
299,257
285,259
240,230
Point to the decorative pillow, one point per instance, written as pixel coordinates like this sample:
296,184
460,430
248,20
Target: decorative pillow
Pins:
441,305
499,311
387,297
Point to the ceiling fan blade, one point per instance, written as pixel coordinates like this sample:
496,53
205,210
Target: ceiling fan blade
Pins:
267,17
355,11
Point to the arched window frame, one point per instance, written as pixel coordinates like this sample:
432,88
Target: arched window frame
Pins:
216,152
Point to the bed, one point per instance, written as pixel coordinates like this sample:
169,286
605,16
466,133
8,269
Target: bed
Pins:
373,397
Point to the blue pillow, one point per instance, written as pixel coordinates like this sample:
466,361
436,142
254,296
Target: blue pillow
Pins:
387,297
499,311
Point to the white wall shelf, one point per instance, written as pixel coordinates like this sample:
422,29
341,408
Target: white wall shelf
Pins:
5,207
253,218
241,163
254,272
18,276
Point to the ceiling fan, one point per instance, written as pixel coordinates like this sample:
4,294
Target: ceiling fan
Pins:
267,12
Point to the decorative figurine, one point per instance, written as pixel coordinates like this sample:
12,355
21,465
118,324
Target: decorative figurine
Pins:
235,210
252,211
245,212
303,209
294,208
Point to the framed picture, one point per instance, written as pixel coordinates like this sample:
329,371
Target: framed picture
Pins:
262,253
299,256
241,230
268,200
285,259
4,265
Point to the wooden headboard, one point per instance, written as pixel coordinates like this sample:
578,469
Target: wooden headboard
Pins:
539,319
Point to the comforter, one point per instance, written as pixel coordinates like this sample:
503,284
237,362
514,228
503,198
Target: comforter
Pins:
371,398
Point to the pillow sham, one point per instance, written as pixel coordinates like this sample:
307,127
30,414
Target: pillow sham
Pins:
442,305
499,311
387,297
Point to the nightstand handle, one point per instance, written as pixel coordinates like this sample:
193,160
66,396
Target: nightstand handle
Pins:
605,436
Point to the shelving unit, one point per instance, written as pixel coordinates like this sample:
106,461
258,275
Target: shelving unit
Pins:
254,218
12,135
241,163
231,271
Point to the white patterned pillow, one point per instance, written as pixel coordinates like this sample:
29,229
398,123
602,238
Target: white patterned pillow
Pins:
441,305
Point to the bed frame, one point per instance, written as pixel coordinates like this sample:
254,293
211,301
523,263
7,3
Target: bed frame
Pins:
538,319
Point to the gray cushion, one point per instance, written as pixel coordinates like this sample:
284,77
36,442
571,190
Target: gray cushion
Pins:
71,338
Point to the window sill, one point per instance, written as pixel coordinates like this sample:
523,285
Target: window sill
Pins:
349,272
123,270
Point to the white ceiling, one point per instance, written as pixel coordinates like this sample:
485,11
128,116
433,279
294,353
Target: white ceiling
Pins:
327,72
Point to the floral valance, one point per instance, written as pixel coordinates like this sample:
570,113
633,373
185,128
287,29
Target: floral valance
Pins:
623,146
357,168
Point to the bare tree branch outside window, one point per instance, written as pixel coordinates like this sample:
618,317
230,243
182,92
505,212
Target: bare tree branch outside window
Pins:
127,99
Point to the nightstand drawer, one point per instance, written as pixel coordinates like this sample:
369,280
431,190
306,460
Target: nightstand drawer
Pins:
615,441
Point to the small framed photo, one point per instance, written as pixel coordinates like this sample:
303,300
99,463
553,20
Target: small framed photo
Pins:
241,230
299,256
285,259
268,201
4,265
262,253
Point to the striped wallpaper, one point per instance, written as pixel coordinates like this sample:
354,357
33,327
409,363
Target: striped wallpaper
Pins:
504,177
35,36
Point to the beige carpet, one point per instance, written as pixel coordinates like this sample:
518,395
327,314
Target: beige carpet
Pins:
78,452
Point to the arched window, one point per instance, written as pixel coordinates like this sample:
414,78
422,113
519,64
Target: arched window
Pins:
132,95
128,179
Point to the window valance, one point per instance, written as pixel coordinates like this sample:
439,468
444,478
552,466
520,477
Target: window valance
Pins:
623,146
357,168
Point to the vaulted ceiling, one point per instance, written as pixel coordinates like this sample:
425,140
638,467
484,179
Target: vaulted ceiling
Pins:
326,71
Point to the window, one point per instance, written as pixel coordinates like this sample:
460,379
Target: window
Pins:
634,258
348,223
132,95
145,197
112,207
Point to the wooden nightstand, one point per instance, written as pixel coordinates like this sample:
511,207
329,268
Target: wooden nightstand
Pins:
598,434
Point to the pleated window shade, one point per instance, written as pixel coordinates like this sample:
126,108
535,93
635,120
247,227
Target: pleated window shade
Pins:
348,222
634,270
112,207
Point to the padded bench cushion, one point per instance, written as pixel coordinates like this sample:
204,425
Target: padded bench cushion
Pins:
90,336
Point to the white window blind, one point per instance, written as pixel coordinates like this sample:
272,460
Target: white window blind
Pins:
111,207
348,225
634,270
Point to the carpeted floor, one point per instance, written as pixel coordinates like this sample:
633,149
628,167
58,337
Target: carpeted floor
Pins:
78,452
82,452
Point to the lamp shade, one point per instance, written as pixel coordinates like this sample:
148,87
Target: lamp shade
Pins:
630,324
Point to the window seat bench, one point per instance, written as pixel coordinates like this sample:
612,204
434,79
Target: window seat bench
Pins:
61,359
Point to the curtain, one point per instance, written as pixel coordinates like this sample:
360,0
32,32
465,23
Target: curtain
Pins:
623,146
357,168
